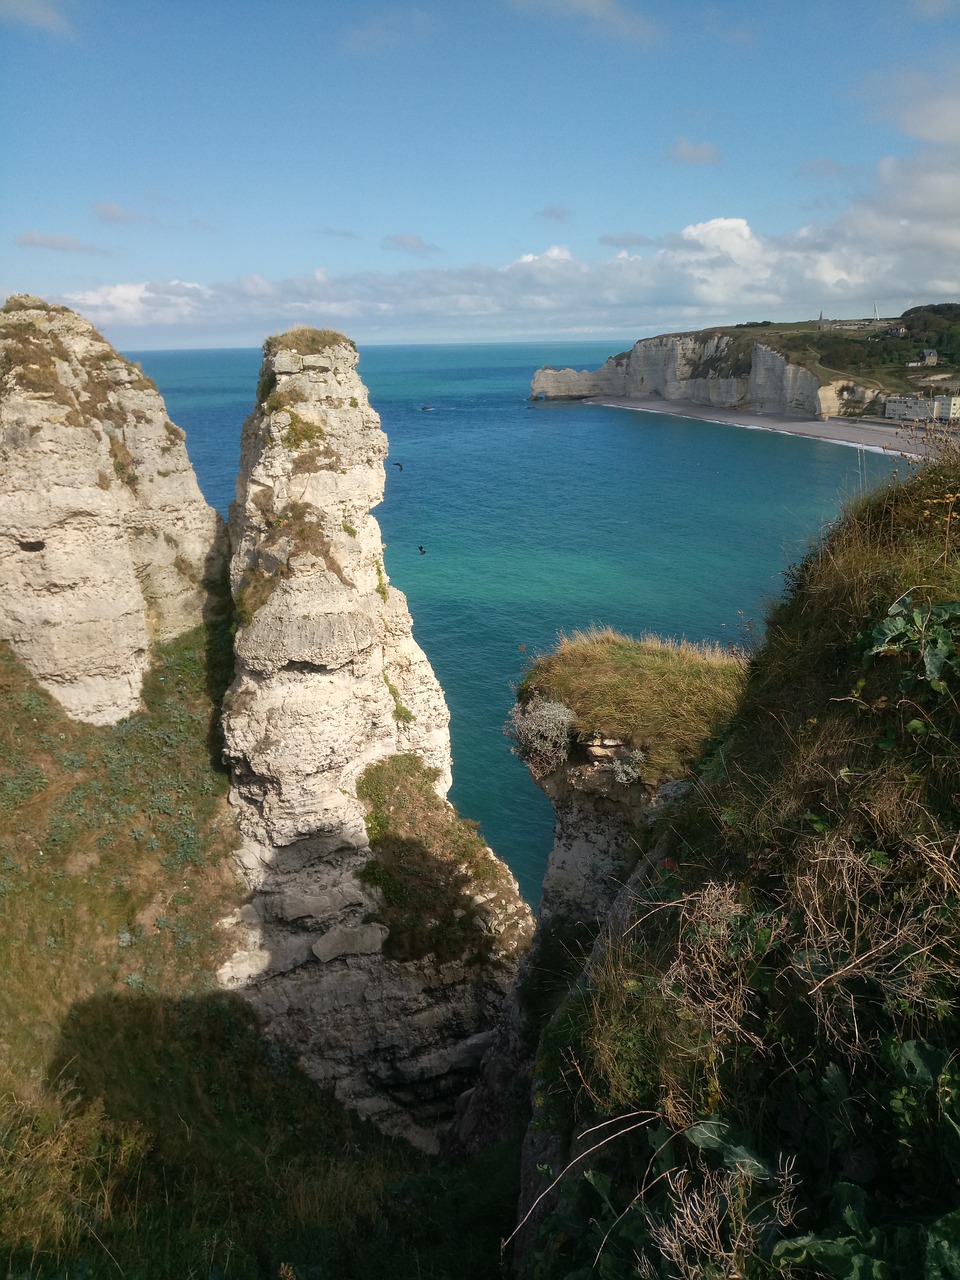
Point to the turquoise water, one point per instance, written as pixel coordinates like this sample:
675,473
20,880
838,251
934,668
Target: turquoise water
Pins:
540,518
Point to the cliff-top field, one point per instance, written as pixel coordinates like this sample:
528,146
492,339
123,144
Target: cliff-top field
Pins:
870,356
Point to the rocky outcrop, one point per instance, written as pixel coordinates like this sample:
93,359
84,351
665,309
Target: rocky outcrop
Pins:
600,854
329,682
708,368
106,543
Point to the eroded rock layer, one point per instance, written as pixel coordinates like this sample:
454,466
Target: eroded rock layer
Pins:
106,543
329,682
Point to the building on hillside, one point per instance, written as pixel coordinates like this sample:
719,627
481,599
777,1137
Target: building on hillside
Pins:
908,407
927,356
897,330
946,408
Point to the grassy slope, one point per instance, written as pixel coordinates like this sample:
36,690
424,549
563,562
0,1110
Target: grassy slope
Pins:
782,1020
147,1128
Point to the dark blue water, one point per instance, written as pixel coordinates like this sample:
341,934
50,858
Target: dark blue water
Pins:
541,518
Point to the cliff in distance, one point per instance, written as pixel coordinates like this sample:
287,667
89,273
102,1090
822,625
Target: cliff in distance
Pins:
712,367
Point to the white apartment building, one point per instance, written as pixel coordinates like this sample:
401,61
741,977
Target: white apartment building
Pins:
908,407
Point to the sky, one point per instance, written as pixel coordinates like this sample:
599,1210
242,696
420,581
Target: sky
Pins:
201,173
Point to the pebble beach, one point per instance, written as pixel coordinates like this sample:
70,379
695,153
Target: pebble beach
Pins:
874,435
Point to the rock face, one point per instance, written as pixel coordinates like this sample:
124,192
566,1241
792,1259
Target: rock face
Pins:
329,681
106,543
708,368
599,856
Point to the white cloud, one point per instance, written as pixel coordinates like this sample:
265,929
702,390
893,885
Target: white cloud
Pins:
899,245
684,151
407,243
613,17
556,253
47,14
62,244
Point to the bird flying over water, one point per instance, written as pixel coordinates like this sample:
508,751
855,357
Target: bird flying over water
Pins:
422,550
399,464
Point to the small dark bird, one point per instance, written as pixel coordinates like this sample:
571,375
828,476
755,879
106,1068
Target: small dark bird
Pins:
399,464
422,550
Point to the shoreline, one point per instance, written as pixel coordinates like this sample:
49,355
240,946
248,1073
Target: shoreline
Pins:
851,432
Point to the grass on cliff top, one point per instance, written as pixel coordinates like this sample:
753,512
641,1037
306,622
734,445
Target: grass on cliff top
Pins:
788,998
657,696
306,341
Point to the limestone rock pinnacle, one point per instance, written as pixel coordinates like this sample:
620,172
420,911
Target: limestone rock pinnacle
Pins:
106,543
329,682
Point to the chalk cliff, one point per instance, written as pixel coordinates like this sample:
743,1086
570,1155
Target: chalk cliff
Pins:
708,368
329,682
106,543
600,845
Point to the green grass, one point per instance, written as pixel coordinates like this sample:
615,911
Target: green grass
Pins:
105,831
426,864
402,714
662,698
147,1127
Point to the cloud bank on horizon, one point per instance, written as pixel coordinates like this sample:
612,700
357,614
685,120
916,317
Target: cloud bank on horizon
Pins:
452,172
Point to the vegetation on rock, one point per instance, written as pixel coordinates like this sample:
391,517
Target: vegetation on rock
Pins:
660,698
427,863
305,341
870,356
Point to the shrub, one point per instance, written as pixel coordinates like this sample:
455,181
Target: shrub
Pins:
541,732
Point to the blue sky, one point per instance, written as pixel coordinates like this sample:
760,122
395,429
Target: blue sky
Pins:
204,172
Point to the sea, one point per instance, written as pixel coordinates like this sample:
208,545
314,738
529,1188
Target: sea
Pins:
538,519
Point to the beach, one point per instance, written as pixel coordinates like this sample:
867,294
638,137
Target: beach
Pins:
874,435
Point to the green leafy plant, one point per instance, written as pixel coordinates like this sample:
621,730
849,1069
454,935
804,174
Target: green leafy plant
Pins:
927,636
